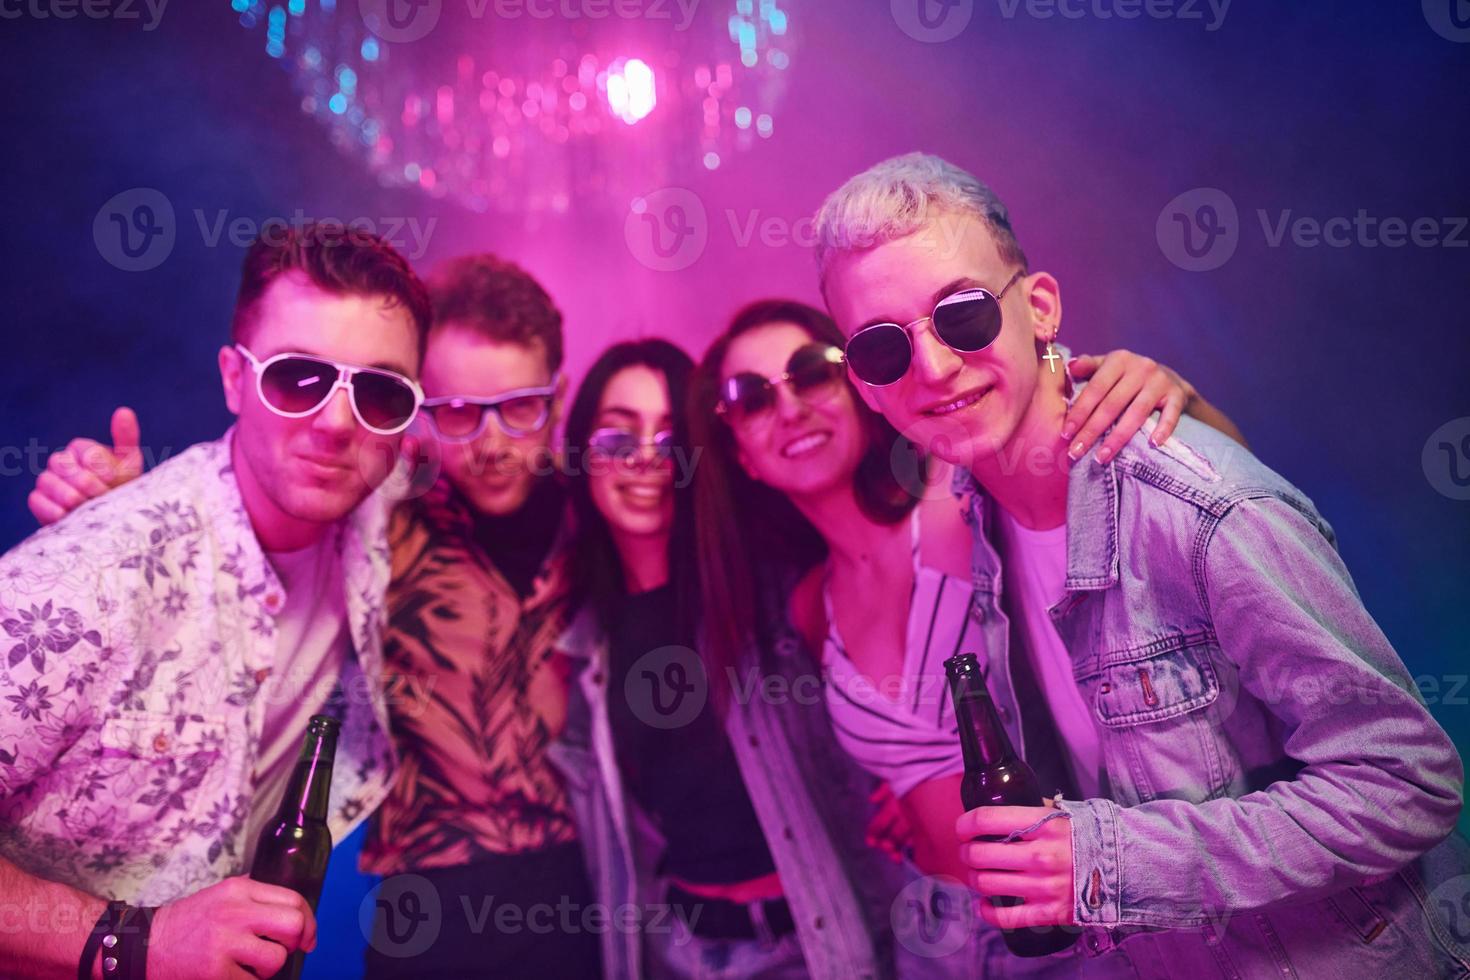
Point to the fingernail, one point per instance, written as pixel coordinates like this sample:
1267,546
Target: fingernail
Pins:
1075,453
1068,430
1104,454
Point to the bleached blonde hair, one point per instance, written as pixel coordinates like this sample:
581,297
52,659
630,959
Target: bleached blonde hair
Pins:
900,196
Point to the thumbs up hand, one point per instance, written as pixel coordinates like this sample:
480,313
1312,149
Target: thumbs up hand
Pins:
86,469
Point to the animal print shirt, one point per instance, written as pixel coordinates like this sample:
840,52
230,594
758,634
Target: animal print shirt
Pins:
483,697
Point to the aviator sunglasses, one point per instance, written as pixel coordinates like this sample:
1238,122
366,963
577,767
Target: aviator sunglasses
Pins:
967,321
813,373
519,412
294,386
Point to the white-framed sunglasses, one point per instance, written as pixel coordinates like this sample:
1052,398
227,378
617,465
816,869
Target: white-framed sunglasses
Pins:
296,385
518,412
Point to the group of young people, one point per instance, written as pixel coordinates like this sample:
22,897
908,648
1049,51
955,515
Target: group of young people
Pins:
696,667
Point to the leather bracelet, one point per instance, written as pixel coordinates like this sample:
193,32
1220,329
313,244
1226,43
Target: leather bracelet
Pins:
104,936
132,949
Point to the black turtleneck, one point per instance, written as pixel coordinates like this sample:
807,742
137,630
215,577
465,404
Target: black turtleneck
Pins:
518,543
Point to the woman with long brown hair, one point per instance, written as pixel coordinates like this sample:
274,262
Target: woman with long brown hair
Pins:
743,820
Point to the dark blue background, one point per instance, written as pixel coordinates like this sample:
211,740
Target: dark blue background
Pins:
1337,362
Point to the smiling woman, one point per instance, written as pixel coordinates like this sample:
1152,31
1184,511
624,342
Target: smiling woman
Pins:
674,787
632,531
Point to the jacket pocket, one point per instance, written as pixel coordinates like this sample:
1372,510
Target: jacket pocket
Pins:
1354,909
1370,931
1159,740
1158,686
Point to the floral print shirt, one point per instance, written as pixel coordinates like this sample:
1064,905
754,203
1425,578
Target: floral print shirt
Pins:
135,636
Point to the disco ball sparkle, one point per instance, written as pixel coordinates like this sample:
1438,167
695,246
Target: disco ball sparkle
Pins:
534,105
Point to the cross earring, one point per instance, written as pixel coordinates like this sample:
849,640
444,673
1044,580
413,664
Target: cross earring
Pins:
1051,356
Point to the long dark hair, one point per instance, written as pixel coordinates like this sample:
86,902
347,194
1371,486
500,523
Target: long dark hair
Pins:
747,529
597,571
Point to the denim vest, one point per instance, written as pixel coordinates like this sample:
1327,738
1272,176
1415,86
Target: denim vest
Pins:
1277,799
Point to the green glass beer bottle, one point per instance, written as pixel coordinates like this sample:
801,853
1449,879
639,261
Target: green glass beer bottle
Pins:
996,776
293,849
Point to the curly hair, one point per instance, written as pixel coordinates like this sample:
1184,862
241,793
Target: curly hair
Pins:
498,300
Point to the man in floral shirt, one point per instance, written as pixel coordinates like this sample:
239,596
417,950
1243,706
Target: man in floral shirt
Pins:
479,593
163,646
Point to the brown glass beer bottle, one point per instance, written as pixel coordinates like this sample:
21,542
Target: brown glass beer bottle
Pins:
996,776
294,847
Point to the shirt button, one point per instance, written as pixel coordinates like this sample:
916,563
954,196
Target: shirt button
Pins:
262,674
820,922
597,678
786,833
160,742
754,742
273,601
1005,713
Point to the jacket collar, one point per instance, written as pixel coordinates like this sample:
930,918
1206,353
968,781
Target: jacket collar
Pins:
1092,525
583,637
1092,521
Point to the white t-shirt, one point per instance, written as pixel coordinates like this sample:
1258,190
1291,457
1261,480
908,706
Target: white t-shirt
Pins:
311,646
1035,574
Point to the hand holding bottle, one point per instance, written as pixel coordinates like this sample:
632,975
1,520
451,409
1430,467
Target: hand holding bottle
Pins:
236,928
1028,882
1036,869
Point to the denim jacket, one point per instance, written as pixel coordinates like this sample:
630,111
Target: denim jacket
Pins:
810,798
1277,798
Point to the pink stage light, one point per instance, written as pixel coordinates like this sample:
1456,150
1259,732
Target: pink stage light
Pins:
630,90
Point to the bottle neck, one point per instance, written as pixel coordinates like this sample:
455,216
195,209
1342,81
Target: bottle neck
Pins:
310,787
982,738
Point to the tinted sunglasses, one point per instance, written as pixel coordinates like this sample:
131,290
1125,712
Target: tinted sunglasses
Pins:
297,385
620,444
966,321
813,372
519,412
